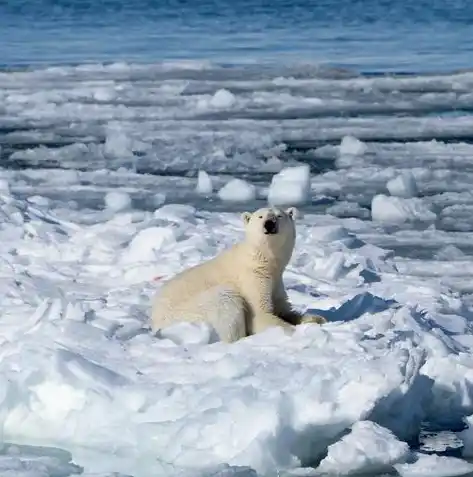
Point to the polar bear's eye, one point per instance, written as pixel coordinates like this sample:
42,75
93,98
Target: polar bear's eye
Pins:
279,216
260,217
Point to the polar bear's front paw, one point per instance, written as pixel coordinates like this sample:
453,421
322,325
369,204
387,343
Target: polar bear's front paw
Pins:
307,318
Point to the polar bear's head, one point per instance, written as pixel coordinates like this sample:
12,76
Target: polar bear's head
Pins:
273,229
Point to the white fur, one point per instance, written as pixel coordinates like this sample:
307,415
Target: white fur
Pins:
240,291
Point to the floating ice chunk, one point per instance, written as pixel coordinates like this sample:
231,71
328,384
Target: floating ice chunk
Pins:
175,212
368,448
396,210
29,461
467,437
290,186
222,99
449,252
146,244
237,190
403,185
351,146
38,200
434,466
117,143
4,187
204,183
117,201
159,198
104,94
348,209
330,233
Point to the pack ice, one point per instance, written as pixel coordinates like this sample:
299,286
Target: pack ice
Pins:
83,380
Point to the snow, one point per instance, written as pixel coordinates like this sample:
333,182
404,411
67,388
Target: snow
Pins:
100,203
290,186
237,190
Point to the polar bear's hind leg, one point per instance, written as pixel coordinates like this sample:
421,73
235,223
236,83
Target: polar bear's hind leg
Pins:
219,306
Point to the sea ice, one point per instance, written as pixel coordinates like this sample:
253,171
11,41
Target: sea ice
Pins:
352,146
396,210
368,448
290,186
79,366
467,437
222,99
204,183
434,466
117,201
403,185
237,190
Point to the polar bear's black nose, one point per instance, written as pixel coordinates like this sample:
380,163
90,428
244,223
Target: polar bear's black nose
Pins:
270,226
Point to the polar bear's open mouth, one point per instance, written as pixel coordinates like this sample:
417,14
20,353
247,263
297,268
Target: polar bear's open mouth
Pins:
270,227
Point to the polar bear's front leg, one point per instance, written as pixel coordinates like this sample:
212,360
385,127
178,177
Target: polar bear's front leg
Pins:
258,294
263,321
283,308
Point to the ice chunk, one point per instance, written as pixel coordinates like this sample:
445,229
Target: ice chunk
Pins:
29,461
159,198
237,190
290,186
434,466
222,99
449,252
204,183
38,200
117,201
403,185
118,143
396,210
147,243
467,437
175,213
4,187
368,448
352,146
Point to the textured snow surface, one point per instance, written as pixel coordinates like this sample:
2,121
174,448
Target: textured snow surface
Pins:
101,164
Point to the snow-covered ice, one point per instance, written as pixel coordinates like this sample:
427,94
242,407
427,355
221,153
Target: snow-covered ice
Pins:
237,190
117,200
103,195
467,437
403,185
290,186
397,209
435,466
352,146
204,183
368,448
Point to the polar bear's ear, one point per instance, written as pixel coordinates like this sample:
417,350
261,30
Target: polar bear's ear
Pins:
292,212
246,216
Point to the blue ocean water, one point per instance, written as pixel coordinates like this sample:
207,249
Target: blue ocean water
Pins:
366,35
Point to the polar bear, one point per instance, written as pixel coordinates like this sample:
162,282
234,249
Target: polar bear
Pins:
239,292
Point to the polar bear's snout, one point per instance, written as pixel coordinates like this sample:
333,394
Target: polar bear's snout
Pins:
271,226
